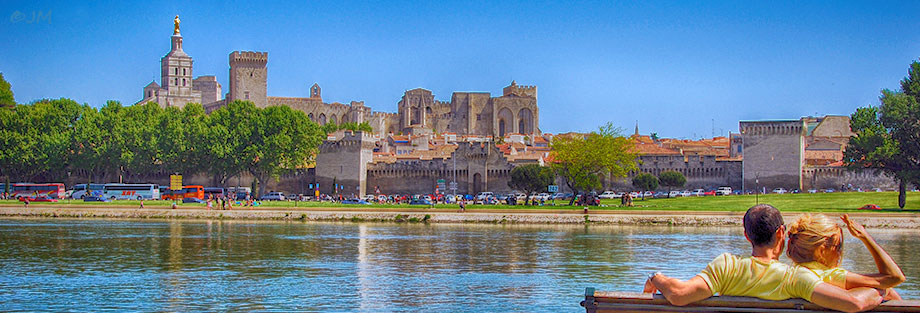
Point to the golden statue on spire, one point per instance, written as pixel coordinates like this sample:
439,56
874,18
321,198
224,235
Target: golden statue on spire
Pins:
176,22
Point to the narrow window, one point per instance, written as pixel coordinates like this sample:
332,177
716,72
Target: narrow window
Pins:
246,94
183,72
177,71
183,82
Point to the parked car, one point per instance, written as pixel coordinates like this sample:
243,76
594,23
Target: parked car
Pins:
355,201
422,201
779,190
812,190
609,195
482,196
273,196
724,191
710,193
674,193
95,198
685,193
541,197
192,200
698,192
38,198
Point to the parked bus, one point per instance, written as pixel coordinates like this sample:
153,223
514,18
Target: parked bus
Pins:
131,191
239,193
213,192
52,190
81,191
193,191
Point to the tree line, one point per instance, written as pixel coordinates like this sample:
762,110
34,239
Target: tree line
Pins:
51,140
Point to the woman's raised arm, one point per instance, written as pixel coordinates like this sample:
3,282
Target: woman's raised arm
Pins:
889,274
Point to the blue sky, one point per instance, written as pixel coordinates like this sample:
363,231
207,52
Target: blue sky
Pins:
680,69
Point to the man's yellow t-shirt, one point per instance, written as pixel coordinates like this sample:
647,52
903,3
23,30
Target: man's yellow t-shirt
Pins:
731,275
836,276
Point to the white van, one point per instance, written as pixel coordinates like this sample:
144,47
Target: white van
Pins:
724,191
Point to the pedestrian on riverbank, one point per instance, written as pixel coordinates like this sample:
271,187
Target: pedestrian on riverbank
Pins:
462,205
142,204
209,204
26,202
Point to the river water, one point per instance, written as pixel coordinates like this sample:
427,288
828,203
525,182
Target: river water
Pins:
133,265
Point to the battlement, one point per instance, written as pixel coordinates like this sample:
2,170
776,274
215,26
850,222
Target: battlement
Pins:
384,114
520,90
442,103
351,141
248,58
772,128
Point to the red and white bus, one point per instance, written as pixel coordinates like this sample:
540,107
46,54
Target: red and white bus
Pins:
51,190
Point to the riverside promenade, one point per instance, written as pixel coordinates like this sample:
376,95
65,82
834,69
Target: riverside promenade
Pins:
436,215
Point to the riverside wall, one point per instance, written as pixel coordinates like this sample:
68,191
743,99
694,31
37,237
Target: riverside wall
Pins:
545,216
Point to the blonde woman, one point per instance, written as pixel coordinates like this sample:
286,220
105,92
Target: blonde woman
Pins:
815,242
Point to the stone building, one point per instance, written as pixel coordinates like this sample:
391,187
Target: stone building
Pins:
802,154
177,87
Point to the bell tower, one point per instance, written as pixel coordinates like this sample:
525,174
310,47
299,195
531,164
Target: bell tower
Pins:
176,72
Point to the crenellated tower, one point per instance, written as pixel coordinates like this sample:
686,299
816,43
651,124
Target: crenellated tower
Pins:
248,77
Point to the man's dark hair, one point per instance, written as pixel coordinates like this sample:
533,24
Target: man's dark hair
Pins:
760,224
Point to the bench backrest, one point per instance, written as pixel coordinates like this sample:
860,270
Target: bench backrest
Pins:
613,301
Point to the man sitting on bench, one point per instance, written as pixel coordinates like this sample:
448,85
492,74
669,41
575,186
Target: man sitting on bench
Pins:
761,275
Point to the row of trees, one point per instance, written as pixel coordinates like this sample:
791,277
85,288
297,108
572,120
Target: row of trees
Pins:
670,179
49,140
887,137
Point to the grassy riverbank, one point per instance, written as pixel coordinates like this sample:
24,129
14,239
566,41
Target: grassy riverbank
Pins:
820,202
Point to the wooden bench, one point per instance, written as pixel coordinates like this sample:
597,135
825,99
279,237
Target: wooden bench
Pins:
612,301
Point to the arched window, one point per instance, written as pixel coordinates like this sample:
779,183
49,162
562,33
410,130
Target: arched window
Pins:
505,122
525,121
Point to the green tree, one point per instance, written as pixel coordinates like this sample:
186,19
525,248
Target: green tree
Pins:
141,153
17,147
232,138
6,93
352,126
645,182
531,178
886,137
672,179
582,159
89,144
286,140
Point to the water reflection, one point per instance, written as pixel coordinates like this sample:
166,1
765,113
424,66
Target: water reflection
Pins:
262,266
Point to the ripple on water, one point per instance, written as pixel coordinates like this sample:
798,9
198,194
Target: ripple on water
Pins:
124,265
